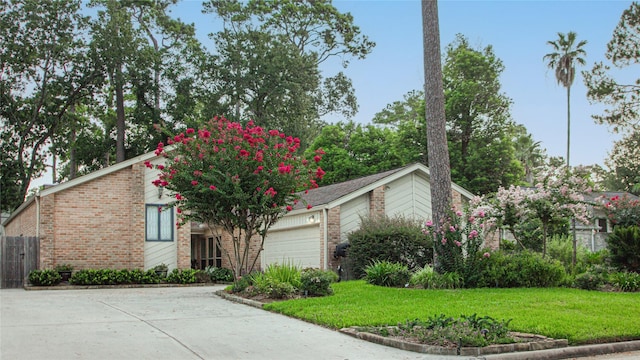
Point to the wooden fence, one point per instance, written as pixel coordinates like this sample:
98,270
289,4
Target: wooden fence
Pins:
19,255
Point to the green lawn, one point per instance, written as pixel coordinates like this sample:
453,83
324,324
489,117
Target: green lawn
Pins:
577,315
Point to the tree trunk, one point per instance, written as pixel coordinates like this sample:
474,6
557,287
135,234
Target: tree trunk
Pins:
568,124
438,152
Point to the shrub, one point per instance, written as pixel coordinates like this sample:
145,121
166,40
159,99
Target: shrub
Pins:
316,282
625,281
182,276
396,240
466,330
271,287
422,277
522,269
241,284
219,274
624,246
593,279
45,277
284,273
560,247
113,277
386,273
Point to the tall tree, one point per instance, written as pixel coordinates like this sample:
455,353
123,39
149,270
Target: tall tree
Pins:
276,35
624,164
47,68
436,122
623,97
566,53
139,43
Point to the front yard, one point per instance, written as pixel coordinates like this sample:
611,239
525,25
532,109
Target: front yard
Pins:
561,313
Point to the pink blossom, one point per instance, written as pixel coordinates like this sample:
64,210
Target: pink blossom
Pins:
309,206
459,213
429,223
179,197
473,234
212,187
289,208
194,182
148,164
452,229
270,192
458,243
486,255
190,131
317,158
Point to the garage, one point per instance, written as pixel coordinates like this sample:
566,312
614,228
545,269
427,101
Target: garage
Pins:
300,245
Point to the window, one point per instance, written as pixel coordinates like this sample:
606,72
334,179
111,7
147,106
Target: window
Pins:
159,223
602,225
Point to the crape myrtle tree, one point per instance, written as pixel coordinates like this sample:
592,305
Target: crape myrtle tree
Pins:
557,196
237,180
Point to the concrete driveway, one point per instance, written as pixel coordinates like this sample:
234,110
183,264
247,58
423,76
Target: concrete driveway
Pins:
164,323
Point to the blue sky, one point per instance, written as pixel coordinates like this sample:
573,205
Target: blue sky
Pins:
518,32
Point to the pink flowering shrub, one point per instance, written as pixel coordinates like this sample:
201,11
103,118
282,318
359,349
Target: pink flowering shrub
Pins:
456,243
235,178
622,210
558,196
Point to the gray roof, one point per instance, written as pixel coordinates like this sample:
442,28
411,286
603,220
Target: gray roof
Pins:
597,196
326,194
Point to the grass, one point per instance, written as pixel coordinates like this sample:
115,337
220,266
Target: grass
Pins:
576,315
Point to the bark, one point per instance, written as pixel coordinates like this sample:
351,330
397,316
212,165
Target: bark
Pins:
438,151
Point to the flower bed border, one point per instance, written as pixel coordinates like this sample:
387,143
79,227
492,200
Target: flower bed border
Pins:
538,342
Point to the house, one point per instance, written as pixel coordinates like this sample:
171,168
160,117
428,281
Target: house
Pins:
111,218
309,237
594,236
116,218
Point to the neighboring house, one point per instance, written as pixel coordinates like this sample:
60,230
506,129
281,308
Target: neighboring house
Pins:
594,236
114,218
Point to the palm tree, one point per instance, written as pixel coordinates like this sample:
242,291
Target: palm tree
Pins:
529,153
565,54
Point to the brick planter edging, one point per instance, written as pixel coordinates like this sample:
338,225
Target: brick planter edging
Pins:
225,295
538,343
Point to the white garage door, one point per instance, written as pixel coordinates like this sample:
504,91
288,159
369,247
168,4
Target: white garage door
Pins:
300,246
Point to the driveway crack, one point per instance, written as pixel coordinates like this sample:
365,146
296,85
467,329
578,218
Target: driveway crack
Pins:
153,326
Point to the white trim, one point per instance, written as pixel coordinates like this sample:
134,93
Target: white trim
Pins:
99,173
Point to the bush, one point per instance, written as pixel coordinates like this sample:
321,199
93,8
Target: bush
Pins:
113,277
284,273
184,276
422,277
316,282
45,277
624,246
560,247
593,279
219,274
522,269
625,281
386,273
396,240
271,287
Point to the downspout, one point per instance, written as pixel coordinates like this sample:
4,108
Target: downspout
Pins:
325,225
37,197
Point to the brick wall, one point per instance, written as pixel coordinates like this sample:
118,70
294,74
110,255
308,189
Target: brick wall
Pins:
100,223
376,202
333,232
23,224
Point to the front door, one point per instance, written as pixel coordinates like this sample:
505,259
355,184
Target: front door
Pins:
205,252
